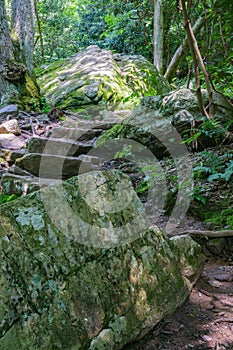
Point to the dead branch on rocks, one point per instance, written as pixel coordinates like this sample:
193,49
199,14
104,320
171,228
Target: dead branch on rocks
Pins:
200,233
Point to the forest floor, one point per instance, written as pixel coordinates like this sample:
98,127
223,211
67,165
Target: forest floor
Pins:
204,321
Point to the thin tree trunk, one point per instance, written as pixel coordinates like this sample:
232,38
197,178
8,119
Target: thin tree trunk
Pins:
206,75
40,32
180,52
195,61
158,35
196,55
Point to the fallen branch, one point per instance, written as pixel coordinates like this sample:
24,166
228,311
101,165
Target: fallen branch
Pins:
224,319
211,234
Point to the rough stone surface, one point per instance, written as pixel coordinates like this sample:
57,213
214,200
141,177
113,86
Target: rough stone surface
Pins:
68,282
95,75
12,142
76,134
11,110
49,166
146,126
19,185
60,147
10,127
65,147
11,155
157,118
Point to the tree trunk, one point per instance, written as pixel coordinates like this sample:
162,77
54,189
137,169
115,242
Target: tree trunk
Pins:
196,56
22,27
39,31
6,56
17,80
180,52
158,35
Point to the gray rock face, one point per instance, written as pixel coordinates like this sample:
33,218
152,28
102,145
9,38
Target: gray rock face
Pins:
175,101
60,147
95,75
11,110
159,120
76,134
49,166
19,185
60,155
77,275
12,142
10,127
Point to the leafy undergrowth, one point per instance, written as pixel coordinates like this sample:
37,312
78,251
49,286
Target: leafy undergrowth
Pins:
213,186
210,186
5,198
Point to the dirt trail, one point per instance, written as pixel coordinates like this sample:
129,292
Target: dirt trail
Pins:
204,321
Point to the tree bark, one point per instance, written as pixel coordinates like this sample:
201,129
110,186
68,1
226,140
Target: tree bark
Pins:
6,55
22,27
158,35
17,83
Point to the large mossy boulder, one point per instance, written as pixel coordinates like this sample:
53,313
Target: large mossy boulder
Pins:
95,75
74,277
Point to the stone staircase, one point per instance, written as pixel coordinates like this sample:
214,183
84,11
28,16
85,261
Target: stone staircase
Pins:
57,156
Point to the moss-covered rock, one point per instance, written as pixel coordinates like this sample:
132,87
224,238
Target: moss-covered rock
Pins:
95,75
157,118
75,277
22,87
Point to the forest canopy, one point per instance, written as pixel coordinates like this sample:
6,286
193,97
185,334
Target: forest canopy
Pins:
48,30
127,26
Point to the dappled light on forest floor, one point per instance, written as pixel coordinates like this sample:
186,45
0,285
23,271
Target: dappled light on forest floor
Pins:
204,321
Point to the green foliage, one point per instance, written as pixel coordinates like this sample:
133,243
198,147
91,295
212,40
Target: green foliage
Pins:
210,169
124,153
45,107
127,26
198,194
217,47
5,198
113,133
118,25
58,20
222,218
214,166
213,129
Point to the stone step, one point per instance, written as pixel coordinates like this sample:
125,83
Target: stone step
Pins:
12,142
14,169
60,147
92,124
21,182
75,134
54,166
